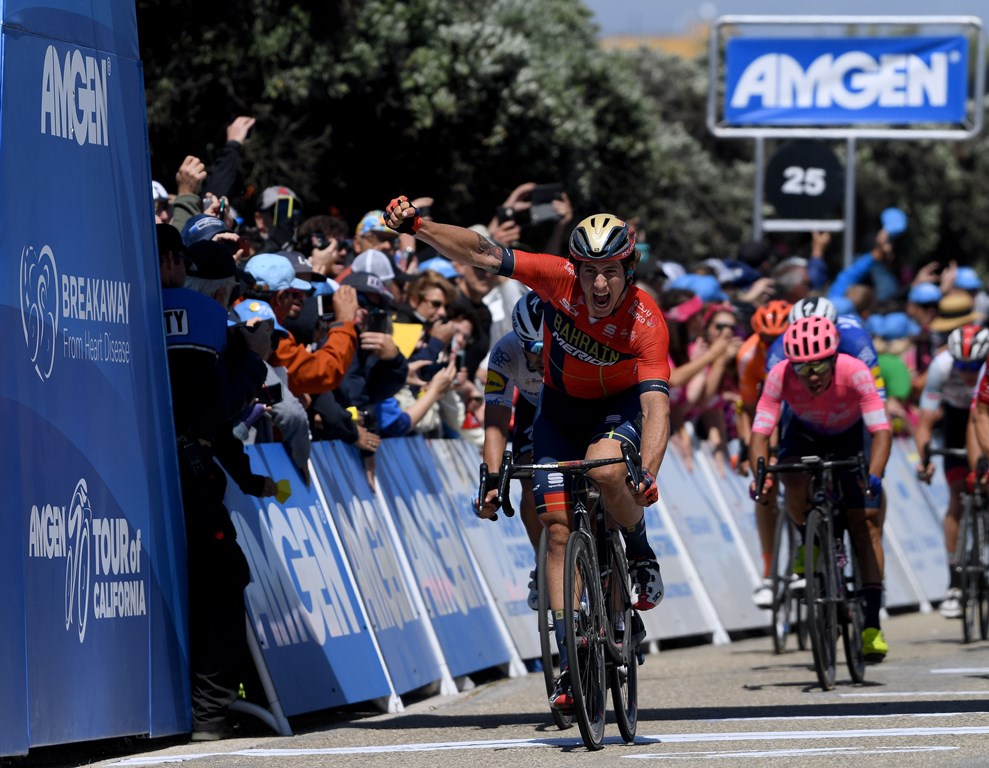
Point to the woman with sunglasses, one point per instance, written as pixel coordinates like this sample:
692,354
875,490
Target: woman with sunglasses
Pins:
836,411
951,382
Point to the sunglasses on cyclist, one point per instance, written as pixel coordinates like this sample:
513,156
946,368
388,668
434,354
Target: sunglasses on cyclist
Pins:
968,366
813,367
535,347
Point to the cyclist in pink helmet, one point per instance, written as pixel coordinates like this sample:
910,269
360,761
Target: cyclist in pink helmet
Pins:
834,410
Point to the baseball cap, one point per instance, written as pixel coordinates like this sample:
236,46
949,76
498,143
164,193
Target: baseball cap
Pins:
967,279
272,195
894,221
209,260
924,293
717,266
369,285
373,221
201,227
158,191
255,308
274,271
374,262
705,286
442,267
303,267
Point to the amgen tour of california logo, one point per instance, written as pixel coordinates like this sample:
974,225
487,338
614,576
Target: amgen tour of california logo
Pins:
39,307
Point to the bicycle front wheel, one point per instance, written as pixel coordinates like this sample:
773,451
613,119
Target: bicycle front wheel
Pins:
584,614
623,671
982,537
783,544
822,594
853,617
971,573
546,632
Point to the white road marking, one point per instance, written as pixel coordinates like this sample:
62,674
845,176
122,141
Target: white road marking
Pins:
842,751
668,738
792,718
961,671
897,694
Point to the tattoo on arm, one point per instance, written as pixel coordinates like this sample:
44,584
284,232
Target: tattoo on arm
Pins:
486,248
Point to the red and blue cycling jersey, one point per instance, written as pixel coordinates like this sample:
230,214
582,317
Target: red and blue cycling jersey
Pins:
593,358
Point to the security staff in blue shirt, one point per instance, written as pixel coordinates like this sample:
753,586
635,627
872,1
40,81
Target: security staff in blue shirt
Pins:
212,374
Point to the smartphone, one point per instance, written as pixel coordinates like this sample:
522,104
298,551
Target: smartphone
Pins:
542,198
285,209
461,357
376,321
324,306
427,372
270,394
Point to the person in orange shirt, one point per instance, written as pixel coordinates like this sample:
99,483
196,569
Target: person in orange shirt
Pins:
768,322
309,373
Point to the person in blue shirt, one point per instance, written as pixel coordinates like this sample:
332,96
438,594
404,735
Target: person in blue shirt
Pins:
874,266
854,340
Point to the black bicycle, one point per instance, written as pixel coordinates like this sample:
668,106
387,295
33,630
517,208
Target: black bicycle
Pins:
833,585
971,551
603,630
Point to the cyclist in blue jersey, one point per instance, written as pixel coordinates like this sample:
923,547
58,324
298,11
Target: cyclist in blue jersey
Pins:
853,340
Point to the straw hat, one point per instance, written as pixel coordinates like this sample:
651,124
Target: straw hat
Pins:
953,311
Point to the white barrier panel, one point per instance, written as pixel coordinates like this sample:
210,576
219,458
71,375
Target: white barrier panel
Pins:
916,523
724,566
502,548
733,491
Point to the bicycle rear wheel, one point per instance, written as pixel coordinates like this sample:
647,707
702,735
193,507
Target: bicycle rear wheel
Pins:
983,541
854,617
584,615
546,633
623,673
783,548
971,576
822,592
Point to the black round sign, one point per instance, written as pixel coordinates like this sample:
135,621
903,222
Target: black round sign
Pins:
804,180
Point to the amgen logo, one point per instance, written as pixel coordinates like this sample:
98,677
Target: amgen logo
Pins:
854,80
39,307
74,97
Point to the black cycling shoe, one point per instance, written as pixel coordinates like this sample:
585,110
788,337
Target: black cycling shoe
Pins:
562,697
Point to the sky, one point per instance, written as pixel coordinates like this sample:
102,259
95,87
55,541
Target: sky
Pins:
666,17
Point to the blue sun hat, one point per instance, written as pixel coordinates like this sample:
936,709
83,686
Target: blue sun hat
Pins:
706,287
894,221
255,308
967,279
924,293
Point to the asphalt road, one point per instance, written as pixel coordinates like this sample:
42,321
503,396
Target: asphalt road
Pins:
730,705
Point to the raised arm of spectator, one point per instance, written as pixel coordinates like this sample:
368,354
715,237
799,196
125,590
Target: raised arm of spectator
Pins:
189,186
561,231
816,267
851,275
223,174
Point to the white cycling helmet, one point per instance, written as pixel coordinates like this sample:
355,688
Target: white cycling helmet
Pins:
969,344
527,320
818,307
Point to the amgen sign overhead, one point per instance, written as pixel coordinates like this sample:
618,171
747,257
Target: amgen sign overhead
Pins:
845,81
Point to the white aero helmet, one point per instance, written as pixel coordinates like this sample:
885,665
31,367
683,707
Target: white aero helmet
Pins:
817,307
527,321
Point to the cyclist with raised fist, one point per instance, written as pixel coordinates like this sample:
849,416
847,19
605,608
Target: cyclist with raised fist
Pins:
606,382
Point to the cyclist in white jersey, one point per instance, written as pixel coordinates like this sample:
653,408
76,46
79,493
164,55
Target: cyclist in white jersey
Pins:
516,363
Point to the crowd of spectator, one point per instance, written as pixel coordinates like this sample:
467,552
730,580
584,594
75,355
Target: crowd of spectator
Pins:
375,335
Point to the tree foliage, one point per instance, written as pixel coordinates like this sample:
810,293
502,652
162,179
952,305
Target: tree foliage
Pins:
361,99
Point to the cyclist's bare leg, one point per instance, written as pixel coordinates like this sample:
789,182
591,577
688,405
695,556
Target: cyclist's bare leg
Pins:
527,510
953,516
865,526
765,523
610,479
797,490
556,521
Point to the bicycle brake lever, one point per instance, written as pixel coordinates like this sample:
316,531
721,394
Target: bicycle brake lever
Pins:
502,500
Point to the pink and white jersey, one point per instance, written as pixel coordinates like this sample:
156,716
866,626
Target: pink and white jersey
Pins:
851,396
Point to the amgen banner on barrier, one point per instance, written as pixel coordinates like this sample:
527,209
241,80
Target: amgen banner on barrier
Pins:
847,81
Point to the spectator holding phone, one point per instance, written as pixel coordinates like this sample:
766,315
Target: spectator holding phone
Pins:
309,373
278,215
